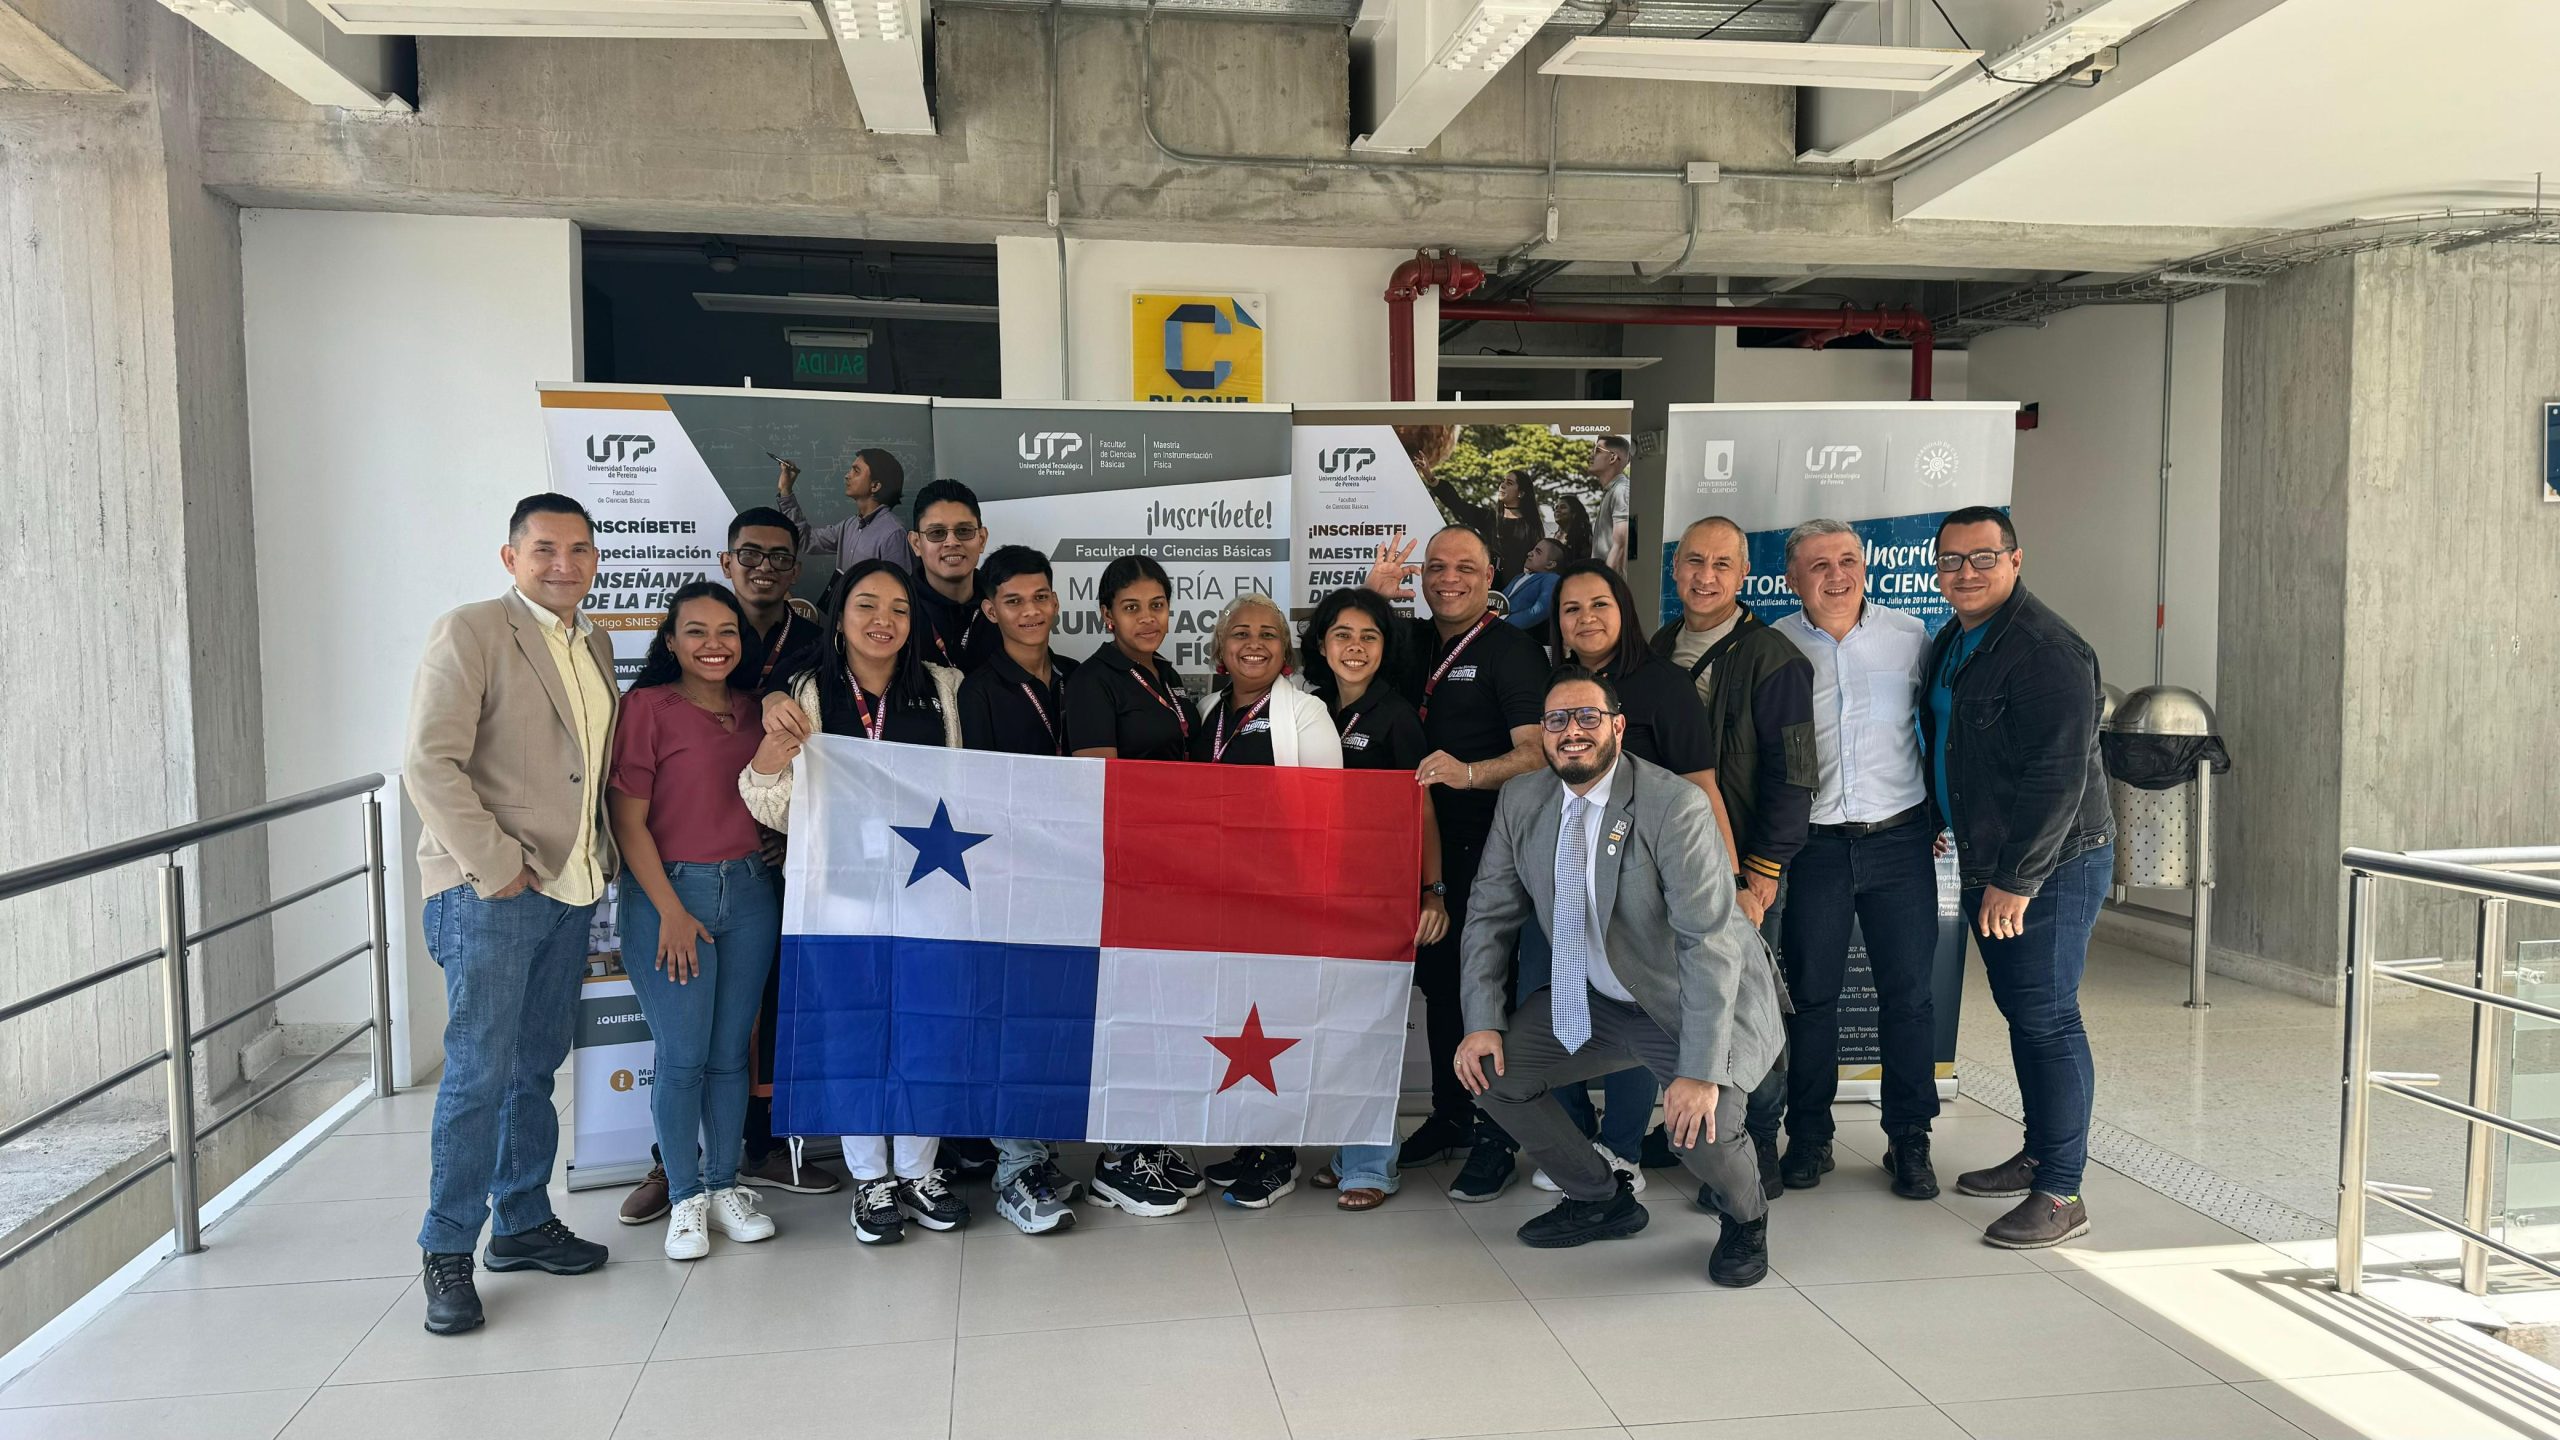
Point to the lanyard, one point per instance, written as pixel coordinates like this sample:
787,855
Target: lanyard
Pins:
1033,695
872,722
1352,728
781,643
1181,717
1218,738
1433,684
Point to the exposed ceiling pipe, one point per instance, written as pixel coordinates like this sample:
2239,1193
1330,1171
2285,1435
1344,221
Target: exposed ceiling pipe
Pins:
1455,278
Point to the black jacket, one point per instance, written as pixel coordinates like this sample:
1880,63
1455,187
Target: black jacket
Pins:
2023,770
1758,689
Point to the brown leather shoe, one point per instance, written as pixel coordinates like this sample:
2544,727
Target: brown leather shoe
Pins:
1360,1197
2038,1221
647,1200
778,1173
2013,1176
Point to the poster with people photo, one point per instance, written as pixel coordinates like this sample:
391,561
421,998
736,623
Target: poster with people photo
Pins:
1544,484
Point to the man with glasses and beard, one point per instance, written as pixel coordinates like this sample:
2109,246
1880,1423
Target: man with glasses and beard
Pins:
1655,964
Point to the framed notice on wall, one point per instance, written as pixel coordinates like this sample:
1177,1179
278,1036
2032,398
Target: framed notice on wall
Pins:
2551,452
1195,347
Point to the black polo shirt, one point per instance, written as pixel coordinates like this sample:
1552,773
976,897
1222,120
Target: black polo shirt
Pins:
787,649
1142,716
1004,707
1379,732
957,633
914,714
1666,721
1497,681
1250,745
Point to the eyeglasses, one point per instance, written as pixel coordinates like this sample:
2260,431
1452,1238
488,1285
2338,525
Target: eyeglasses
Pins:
1589,717
943,534
1981,560
751,558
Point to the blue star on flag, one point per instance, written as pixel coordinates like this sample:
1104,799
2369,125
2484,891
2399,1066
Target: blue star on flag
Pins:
939,846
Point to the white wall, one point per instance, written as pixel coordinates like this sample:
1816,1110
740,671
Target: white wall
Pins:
2087,496
1328,315
392,360
1769,374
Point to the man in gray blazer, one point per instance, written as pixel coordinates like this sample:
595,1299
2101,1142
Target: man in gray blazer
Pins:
1655,965
510,730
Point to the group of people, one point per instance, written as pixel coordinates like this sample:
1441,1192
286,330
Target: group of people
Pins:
1614,824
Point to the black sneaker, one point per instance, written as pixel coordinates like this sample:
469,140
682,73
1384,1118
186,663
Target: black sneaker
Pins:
1579,1222
453,1301
2038,1221
1223,1173
967,1160
1135,1181
1764,1151
1806,1163
548,1246
1657,1153
1060,1184
1275,1174
930,1202
876,1220
1177,1169
1439,1138
1490,1169
1907,1156
1741,1256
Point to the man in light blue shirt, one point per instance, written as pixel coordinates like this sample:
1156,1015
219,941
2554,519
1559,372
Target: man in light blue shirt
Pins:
1867,857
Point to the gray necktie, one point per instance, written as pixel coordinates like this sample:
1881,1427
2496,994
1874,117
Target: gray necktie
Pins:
1569,984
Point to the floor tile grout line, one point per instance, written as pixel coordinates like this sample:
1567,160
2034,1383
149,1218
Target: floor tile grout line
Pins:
1253,1327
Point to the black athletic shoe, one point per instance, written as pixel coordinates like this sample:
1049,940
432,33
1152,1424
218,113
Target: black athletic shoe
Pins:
547,1246
453,1301
1223,1173
931,1203
1059,1182
1440,1137
1275,1173
1741,1256
1579,1222
1177,1169
876,1220
1134,1181
1657,1153
1764,1150
1806,1163
1907,1156
966,1160
1490,1169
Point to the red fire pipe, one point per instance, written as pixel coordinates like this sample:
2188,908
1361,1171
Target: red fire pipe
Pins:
1821,327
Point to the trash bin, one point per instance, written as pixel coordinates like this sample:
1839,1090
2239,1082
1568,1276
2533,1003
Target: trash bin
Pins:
2163,746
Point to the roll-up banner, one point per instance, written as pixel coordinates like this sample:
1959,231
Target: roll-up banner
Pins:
614,1066
1893,471
1202,488
1384,472
664,470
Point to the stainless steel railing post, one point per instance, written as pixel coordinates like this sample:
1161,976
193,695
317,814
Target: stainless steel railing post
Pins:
176,1028
379,928
2480,1144
2353,1121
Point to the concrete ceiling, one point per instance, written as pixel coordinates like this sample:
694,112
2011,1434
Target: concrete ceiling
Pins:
2277,113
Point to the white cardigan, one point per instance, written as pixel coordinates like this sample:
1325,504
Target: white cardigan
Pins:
768,797
1302,729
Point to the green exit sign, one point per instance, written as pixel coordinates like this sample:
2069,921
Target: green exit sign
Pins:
831,366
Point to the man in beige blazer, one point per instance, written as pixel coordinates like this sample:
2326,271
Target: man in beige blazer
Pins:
510,733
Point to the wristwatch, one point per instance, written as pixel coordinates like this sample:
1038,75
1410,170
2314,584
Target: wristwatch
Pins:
1436,887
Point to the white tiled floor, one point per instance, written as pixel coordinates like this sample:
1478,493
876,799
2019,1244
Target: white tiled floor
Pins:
1425,1318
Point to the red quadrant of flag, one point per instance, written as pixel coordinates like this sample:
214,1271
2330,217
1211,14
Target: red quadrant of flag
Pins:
1234,858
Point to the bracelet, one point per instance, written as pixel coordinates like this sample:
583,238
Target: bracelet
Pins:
1471,776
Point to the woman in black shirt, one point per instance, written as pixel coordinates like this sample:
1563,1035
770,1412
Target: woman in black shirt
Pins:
1126,703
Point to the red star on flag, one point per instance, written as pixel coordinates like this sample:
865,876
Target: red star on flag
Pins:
1250,1054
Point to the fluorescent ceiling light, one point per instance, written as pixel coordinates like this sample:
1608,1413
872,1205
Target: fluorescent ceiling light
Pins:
1491,34
1548,362
1760,62
580,19
2044,56
804,304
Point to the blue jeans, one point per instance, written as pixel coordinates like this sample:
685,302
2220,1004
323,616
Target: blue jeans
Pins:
2035,979
511,974
1015,1156
1368,1167
704,1028
1627,1095
1886,882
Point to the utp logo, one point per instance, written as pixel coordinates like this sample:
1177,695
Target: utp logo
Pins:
619,449
1346,459
1837,460
1048,445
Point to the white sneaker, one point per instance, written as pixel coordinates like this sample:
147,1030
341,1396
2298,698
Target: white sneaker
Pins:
688,1237
1633,1172
734,1211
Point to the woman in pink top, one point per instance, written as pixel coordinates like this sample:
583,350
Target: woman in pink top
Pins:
701,910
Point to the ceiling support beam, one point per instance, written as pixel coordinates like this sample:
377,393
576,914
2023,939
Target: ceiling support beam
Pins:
1416,63
301,51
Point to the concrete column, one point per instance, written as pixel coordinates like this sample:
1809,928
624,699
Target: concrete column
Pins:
133,643
2390,623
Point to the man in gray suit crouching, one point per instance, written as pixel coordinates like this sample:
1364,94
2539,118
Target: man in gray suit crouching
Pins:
1654,965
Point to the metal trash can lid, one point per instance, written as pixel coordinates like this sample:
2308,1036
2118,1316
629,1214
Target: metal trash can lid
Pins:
2109,697
2164,710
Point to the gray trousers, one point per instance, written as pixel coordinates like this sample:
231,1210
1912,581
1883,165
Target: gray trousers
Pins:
1523,1102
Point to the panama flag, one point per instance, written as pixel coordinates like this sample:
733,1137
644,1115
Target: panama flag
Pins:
1114,950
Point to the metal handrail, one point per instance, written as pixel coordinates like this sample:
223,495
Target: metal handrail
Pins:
2491,876
178,1033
